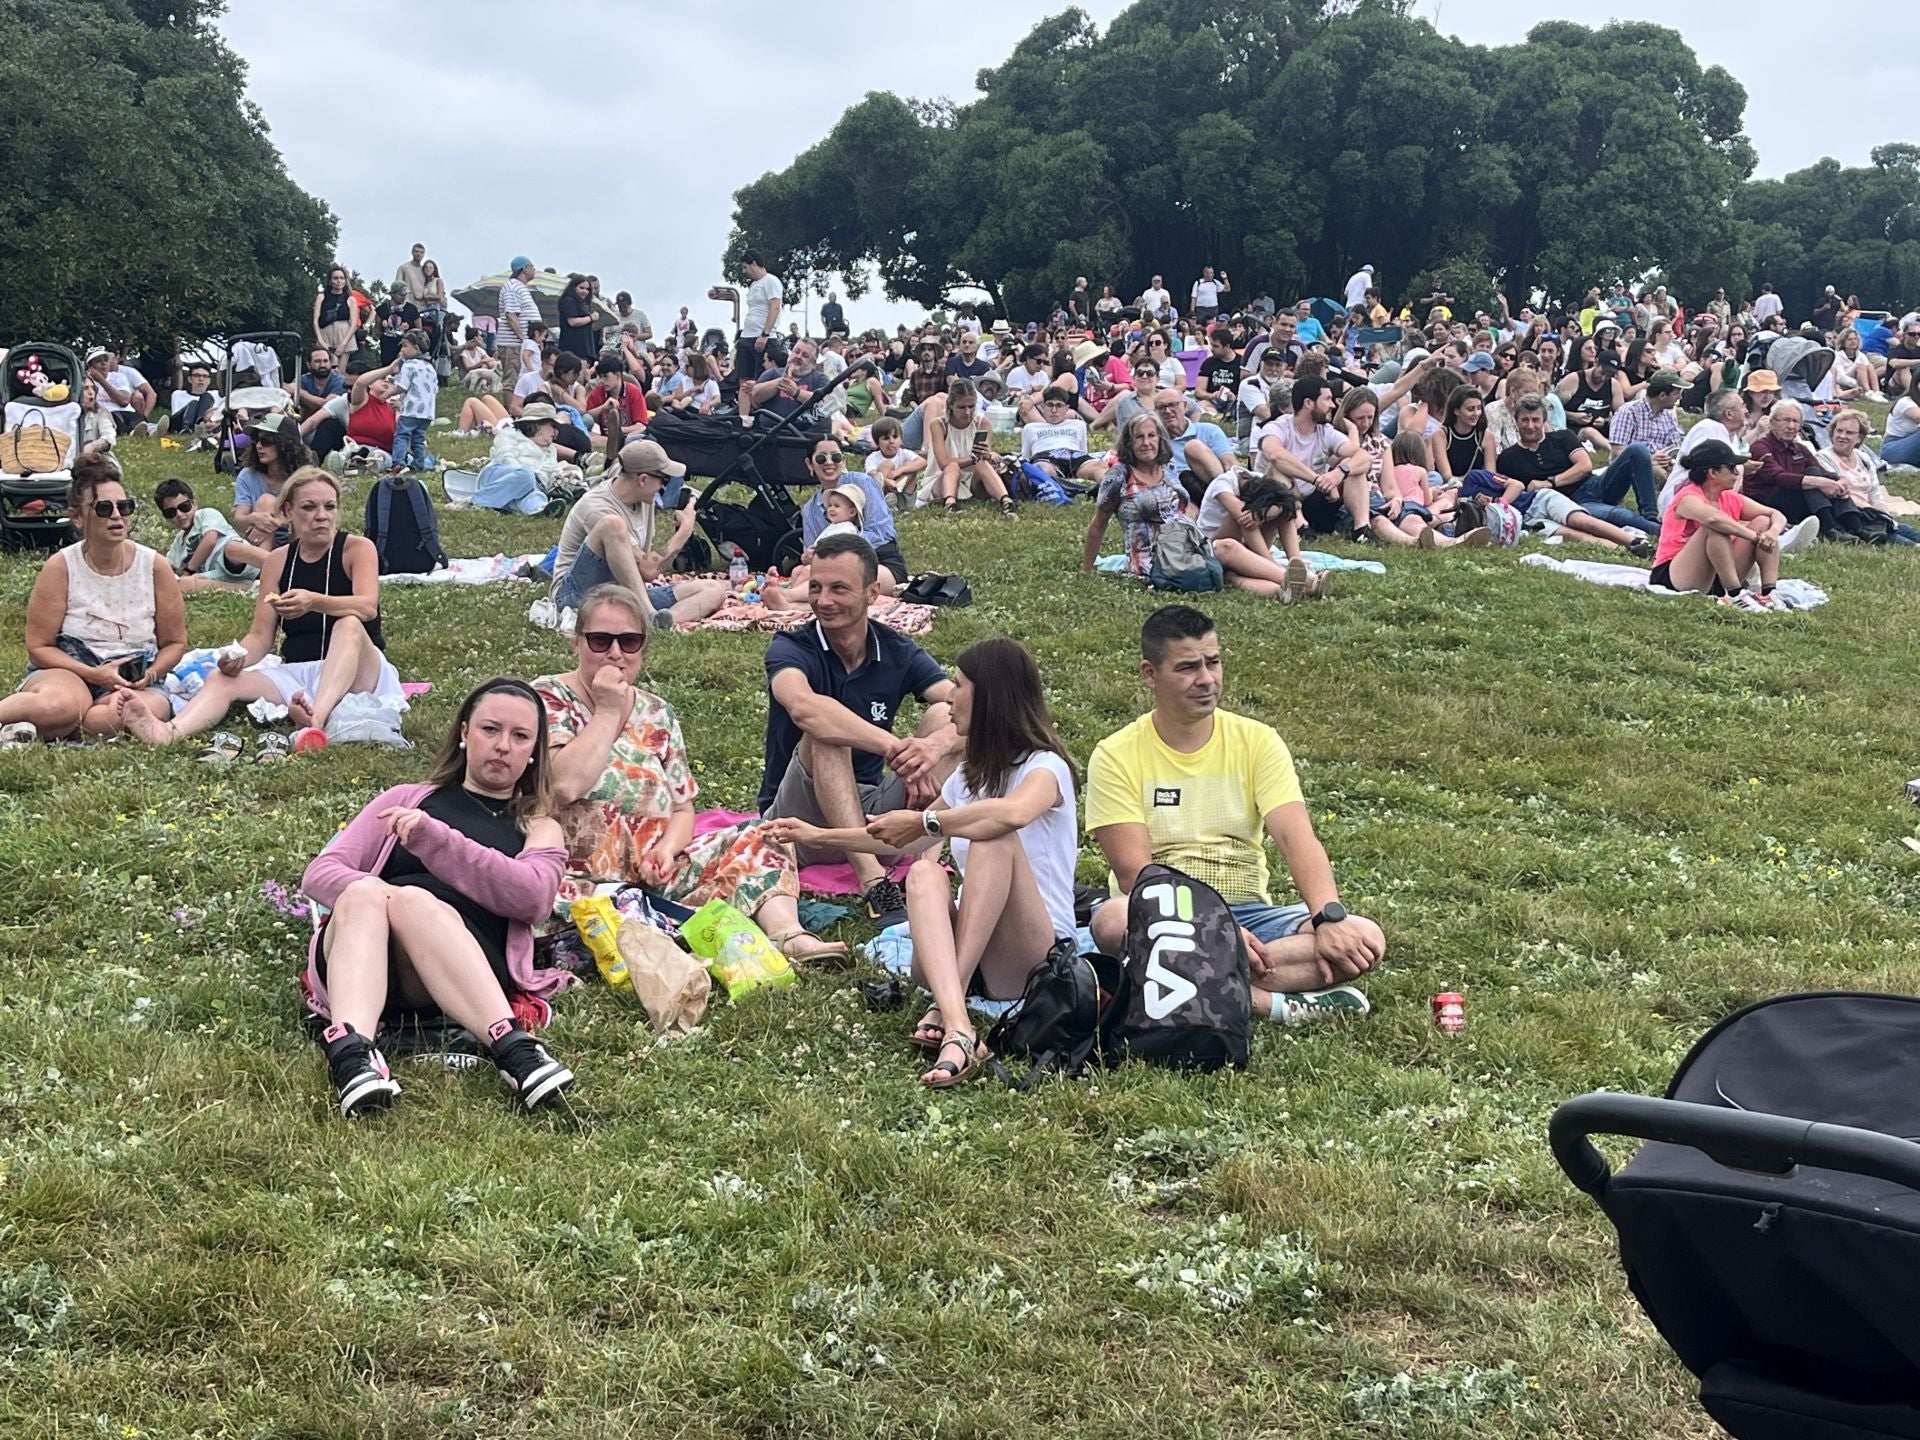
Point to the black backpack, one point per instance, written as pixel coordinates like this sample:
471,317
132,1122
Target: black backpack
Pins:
411,546
1056,1026
1184,999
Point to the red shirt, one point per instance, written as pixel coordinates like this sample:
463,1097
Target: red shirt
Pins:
633,403
372,424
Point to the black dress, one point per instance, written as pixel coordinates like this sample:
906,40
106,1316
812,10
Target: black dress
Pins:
577,339
484,821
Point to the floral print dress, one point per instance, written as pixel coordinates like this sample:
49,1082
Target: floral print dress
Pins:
628,810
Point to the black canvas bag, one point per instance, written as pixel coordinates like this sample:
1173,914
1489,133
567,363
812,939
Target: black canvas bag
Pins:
1185,999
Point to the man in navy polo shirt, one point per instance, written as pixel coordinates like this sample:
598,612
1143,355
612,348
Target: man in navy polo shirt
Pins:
834,689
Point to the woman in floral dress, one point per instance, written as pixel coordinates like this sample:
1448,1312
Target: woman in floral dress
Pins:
620,775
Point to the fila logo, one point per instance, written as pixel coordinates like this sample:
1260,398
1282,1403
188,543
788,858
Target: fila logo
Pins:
1172,934
1166,795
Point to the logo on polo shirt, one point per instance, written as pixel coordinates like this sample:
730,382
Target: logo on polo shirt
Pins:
877,711
1165,796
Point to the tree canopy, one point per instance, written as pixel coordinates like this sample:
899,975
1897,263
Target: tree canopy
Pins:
143,198
1289,141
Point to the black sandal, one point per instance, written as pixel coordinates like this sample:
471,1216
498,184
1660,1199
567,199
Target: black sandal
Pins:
951,504
976,1056
929,1035
1009,507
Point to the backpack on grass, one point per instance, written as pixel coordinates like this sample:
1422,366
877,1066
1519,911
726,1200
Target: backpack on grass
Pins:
1056,1025
410,544
1184,999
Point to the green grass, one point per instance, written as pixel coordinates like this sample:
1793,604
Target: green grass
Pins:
1608,819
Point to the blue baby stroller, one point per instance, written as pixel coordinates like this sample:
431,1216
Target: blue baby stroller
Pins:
1770,1227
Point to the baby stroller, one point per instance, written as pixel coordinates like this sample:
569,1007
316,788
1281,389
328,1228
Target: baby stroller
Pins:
1802,366
240,405
766,463
1771,1227
39,443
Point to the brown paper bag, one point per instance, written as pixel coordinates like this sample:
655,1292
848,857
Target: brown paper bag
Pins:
672,985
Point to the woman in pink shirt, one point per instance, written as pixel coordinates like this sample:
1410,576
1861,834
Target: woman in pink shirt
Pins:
1712,535
432,894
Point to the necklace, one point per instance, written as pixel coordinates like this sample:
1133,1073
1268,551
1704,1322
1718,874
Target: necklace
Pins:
494,807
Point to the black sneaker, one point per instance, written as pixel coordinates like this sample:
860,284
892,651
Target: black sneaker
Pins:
360,1074
884,898
530,1072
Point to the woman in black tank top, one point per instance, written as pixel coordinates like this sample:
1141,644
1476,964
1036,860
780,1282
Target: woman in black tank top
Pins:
305,636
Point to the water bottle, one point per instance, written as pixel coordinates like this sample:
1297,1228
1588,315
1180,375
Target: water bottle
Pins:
737,569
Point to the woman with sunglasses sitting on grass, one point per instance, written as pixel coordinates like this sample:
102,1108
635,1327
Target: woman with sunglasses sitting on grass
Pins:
433,892
625,788
105,622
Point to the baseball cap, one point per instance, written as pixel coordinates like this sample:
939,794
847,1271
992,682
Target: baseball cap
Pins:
1477,363
647,457
275,427
520,262
853,494
1762,380
1662,381
1711,455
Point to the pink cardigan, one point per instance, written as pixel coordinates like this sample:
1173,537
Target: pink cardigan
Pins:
519,887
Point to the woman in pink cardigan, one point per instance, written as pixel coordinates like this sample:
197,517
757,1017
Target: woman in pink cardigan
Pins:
433,892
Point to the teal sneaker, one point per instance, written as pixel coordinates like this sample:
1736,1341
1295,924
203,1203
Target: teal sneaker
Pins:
1305,1007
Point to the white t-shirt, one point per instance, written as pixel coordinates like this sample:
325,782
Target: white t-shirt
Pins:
1213,513
1154,300
1767,306
1206,294
902,456
530,381
1307,449
1358,284
128,379
1020,380
1699,435
1902,420
760,297
1039,437
1052,841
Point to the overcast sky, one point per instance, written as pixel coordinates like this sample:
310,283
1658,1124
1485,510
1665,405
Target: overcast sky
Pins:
576,143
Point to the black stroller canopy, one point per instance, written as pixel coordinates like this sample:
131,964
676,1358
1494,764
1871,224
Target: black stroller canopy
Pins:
1771,1229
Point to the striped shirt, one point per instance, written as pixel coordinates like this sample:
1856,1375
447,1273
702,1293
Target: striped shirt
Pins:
517,300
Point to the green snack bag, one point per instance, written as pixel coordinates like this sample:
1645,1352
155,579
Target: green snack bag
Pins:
738,954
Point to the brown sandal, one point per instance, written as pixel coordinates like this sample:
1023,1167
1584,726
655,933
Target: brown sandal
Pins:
929,1035
976,1054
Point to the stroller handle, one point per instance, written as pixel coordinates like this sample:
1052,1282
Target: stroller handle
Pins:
1738,1139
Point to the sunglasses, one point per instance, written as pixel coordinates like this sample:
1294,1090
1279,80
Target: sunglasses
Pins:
168,512
631,642
830,458
124,508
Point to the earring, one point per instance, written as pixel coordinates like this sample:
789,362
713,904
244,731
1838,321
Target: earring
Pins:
463,744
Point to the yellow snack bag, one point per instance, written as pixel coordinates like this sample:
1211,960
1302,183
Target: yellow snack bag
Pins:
599,925
737,951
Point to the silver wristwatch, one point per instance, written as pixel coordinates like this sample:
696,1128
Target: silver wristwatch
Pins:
930,822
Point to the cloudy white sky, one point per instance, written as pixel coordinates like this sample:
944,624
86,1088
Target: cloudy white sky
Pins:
568,132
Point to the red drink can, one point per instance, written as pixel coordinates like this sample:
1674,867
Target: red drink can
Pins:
1450,1011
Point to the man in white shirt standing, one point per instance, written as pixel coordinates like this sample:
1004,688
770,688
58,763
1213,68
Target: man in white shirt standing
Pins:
1207,291
1358,284
518,310
1155,302
412,273
1768,305
765,295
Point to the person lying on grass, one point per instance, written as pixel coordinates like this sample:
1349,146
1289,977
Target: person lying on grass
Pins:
1008,814
1198,788
623,786
105,622
432,892
206,553
1712,535
320,593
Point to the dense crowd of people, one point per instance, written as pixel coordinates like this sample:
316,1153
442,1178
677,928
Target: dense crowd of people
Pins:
1238,434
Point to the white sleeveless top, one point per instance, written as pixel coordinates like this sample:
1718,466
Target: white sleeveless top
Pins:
112,615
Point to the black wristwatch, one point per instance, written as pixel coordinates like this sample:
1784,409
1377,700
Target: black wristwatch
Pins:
1331,913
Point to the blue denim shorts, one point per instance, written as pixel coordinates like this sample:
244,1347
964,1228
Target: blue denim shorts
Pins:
589,569
140,661
1270,922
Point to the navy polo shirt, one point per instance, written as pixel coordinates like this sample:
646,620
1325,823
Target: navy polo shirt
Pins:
895,668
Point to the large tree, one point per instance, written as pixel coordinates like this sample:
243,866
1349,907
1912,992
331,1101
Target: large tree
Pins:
1854,228
1286,140
142,198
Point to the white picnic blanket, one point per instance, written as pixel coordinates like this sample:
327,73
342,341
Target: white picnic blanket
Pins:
479,570
1800,593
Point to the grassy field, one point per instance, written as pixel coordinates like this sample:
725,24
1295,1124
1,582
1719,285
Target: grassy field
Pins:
1608,819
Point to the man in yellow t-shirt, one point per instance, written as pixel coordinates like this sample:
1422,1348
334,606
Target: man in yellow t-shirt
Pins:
1201,789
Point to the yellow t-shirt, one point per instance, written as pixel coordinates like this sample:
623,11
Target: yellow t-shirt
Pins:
1205,812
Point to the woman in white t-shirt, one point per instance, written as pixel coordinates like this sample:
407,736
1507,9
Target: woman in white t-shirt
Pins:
1010,816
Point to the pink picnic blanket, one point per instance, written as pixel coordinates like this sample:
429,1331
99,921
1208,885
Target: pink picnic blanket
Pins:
835,879
738,614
